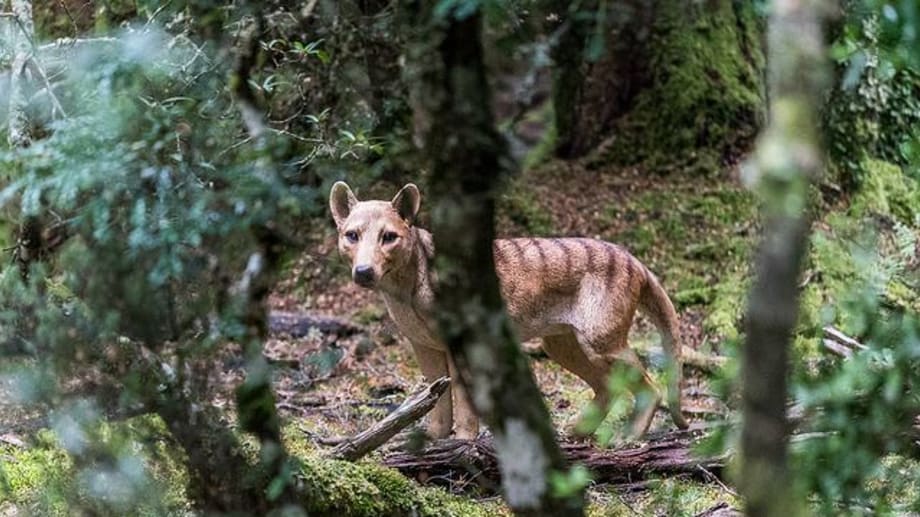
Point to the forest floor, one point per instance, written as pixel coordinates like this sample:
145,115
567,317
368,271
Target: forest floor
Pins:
339,387
697,234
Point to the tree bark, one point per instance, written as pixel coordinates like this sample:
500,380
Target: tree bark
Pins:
590,92
461,461
788,158
467,160
658,83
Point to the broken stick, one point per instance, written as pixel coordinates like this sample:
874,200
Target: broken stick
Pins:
414,408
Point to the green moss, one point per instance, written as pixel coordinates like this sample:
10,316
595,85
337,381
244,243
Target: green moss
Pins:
852,259
368,489
886,190
673,497
44,477
728,302
523,209
36,476
370,313
706,94
695,239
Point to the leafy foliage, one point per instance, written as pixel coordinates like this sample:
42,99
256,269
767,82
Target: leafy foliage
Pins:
874,111
161,207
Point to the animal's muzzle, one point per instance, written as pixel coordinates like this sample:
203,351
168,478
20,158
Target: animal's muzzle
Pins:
364,276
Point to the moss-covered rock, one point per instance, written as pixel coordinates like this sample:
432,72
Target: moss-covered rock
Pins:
706,93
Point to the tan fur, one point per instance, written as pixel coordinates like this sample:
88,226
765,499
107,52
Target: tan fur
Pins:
579,295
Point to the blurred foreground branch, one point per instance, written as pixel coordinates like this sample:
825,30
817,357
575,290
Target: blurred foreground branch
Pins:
788,158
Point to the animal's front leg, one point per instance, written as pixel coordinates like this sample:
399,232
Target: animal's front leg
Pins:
464,412
433,363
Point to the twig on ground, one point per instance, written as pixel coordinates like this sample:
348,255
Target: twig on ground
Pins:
414,408
715,479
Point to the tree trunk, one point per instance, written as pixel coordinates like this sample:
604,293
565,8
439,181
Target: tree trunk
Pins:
788,158
678,83
468,159
255,397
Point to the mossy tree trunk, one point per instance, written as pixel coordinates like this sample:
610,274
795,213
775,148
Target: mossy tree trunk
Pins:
677,83
788,158
468,160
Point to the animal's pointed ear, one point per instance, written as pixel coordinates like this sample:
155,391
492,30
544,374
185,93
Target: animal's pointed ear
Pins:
407,202
341,201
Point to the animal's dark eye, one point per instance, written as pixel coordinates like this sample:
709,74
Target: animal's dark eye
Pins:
389,237
352,236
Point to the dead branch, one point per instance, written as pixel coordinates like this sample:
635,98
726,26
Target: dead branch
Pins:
414,408
461,461
701,361
836,348
836,335
841,344
720,510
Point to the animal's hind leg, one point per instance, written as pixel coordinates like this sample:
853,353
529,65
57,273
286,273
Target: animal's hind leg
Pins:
607,352
647,395
565,350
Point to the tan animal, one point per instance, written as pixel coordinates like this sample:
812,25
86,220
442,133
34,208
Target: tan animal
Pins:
579,295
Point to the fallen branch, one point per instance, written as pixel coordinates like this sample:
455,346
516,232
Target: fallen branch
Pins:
701,361
836,348
840,343
462,462
720,510
414,408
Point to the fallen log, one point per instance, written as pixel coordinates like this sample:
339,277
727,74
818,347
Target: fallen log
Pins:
462,462
298,325
414,408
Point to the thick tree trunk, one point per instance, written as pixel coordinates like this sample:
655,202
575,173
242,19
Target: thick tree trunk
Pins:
788,158
677,83
591,92
468,158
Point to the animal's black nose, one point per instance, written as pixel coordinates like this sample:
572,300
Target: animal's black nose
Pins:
364,275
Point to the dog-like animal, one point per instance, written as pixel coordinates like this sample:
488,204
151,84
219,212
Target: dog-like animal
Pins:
579,295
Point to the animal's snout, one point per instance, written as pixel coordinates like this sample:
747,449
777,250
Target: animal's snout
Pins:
364,276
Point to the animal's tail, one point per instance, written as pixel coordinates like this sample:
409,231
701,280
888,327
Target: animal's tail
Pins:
656,304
